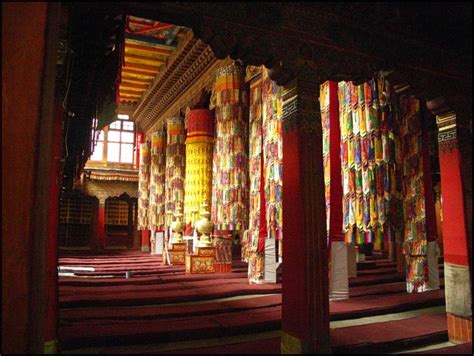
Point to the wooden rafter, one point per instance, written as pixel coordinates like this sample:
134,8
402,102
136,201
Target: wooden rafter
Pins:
133,86
127,79
132,71
142,67
130,92
147,49
147,40
158,61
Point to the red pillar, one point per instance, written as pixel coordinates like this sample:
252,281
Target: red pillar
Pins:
101,237
430,213
456,254
338,251
146,240
305,301
335,217
53,225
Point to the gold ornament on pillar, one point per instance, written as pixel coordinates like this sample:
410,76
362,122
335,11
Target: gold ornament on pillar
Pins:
178,226
204,226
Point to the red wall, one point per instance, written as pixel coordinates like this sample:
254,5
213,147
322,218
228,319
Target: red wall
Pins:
23,53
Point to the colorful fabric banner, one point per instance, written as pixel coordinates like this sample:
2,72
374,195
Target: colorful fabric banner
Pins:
368,162
156,210
143,187
415,244
175,161
199,151
230,161
265,172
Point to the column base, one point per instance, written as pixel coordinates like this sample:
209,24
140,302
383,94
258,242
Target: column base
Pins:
351,260
339,280
145,249
291,344
457,287
459,329
51,347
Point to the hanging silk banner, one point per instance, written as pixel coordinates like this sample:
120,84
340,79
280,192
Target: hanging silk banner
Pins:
230,161
368,162
255,256
143,187
199,150
331,159
156,210
175,161
272,128
415,244
265,171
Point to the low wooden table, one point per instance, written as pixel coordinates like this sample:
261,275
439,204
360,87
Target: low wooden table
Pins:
202,261
177,253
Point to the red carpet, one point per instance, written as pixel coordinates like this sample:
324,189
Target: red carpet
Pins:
465,349
376,305
118,311
260,347
178,329
386,336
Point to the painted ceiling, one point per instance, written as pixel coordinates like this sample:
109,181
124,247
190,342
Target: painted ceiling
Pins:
147,45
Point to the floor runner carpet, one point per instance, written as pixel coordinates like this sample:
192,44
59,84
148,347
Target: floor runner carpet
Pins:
375,305
390,335
162,297
186,328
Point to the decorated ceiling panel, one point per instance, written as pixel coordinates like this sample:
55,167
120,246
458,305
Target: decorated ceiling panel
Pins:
147,45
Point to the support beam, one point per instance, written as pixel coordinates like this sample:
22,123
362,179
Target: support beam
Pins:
147,49
129,70
134,87
142,67
305,314
155,60
338,279
455,189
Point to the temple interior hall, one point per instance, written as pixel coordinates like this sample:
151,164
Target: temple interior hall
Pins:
236,178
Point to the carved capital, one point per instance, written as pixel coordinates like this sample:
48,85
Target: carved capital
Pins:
301,106
447,132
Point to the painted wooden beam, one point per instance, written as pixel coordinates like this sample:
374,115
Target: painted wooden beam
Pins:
132,71
147,49
129,79
129,93
142,67
158,61
133,86
147,40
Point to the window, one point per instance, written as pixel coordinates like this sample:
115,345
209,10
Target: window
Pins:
120,140
117,140
98,152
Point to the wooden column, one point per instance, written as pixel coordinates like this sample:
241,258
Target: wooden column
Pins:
305,315
101,237
52,256
338,250
456,188
432,252
28,72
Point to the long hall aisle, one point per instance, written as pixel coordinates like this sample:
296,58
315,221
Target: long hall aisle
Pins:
160,309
